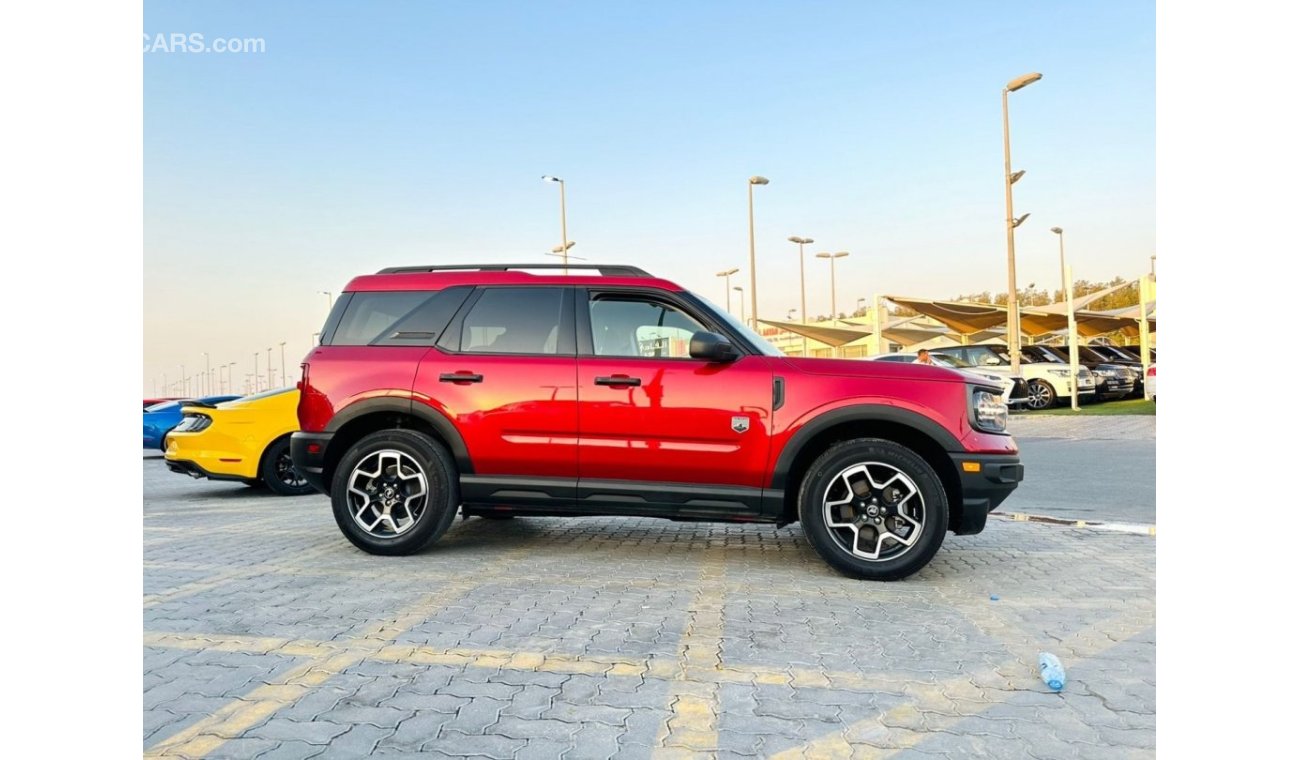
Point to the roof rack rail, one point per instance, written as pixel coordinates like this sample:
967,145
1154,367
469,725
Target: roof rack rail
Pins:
607,270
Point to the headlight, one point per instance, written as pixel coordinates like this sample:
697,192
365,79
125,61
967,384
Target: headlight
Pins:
193,423
1059,372
1104,372
990,411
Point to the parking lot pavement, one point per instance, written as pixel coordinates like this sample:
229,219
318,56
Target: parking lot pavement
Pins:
1086,468
267,635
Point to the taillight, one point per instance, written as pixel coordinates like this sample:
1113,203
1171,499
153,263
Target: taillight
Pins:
1151,371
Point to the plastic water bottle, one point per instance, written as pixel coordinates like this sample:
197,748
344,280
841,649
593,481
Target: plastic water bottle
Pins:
1051,670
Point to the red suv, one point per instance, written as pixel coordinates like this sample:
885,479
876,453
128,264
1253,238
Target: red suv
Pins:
498,392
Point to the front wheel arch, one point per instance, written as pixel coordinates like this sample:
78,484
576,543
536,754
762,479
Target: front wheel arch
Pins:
932,451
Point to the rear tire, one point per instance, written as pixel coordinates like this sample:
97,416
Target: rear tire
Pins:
277,472
395,492
848,509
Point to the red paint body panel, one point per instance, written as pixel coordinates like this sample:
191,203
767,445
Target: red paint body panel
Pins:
677,425
339,376
522,419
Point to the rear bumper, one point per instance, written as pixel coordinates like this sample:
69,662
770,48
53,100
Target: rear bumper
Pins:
195,470
308,452
986,481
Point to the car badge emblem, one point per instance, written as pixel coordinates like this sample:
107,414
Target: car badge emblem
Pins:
740,424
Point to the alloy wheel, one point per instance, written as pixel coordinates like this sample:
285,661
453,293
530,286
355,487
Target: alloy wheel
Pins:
874,511
287,473
1039,396
387,493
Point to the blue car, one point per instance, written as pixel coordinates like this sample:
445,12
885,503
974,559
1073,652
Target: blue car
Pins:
159,419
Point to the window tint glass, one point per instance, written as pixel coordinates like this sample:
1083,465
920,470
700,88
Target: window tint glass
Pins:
632,327
514,321
371,315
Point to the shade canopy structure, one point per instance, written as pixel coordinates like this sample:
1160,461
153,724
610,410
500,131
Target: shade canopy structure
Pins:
970,319
961,317
836,336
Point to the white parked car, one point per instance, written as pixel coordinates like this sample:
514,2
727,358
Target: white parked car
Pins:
1151,382
1048,383
1014,388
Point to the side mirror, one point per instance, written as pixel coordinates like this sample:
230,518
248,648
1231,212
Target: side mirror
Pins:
712,347
990,361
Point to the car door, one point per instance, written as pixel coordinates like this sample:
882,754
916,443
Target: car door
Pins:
657,427
504,373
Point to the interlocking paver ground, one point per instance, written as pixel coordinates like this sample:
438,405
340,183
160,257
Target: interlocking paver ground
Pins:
268,635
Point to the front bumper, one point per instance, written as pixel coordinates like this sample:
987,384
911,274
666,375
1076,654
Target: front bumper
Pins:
986,481
308,452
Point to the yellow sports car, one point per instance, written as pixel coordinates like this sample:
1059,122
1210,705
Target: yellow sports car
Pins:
245,440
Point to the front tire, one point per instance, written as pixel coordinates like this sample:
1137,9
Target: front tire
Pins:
395,492
277,472
1041,395
873,509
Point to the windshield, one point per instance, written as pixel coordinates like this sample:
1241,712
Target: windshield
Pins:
1045,353
767,349
947,360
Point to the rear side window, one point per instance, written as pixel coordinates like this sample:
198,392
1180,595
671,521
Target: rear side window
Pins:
397,318
515,321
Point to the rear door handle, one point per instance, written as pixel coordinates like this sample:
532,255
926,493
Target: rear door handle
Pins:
460,377
618,380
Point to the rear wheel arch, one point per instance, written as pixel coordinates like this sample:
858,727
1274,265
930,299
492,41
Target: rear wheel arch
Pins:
930,440
391,413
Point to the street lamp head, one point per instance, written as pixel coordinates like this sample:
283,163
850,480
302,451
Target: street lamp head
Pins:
1058,230
737,287
728,272
841,254
1023,81
565,247
1015,177
1019,221
549,178
799,240
823,255
758,180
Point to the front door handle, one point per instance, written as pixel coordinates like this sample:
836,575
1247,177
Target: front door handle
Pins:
460,377
617,380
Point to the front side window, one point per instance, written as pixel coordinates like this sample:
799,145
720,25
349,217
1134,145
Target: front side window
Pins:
514,321
629,326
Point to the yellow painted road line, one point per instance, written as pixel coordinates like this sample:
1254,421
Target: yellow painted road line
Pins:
242,713
692,727
931,708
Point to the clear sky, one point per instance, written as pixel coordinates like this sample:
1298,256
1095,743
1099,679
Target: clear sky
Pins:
387,133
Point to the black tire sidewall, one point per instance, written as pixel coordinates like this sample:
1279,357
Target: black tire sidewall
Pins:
268,475
440,507
846,454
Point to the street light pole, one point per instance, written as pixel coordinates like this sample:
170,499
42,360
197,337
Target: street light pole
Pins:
753,272
329,297
1065,287
742,302
230,375
564,222
727,274
833,256
256,372
803,292
270,374
1013,295
207,373
284,377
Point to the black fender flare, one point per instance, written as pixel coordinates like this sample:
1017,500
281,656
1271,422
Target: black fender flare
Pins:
857,413
445,428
